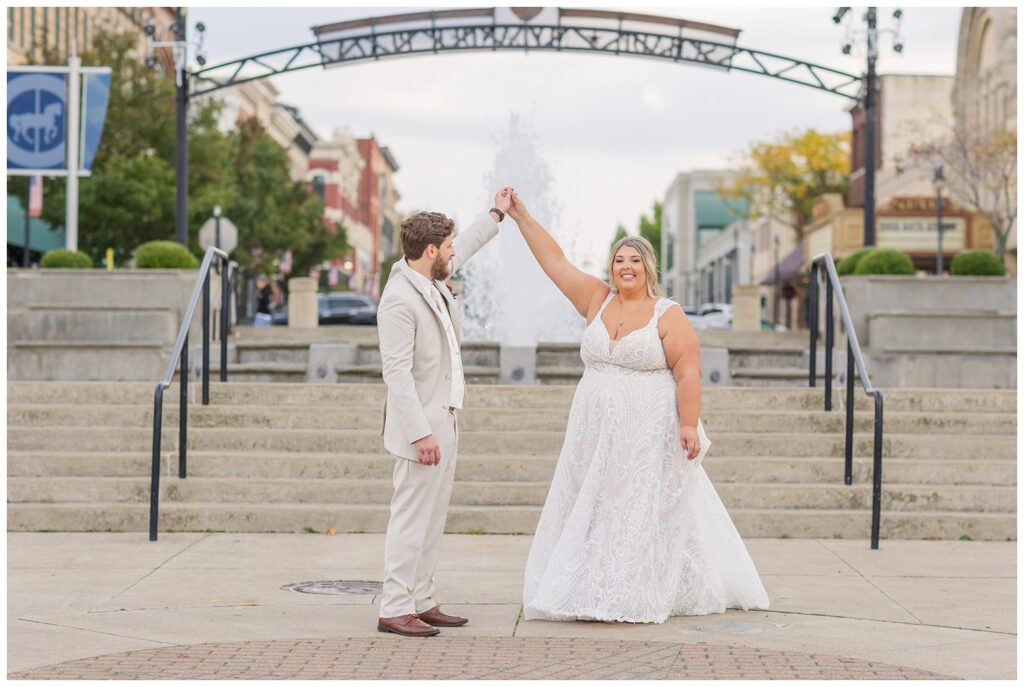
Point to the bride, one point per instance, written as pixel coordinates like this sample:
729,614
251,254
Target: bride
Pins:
632,530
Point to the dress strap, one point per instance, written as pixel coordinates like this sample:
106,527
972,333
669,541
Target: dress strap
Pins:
662,306
607,300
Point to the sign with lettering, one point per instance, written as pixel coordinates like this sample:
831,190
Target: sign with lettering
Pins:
918,234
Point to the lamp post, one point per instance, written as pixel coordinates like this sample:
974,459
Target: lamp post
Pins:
180,50
775,316
870,100
939,182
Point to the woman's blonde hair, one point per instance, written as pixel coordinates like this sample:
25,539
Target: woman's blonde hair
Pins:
646,250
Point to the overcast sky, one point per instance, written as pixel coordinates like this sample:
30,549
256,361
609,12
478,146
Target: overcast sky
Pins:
614,130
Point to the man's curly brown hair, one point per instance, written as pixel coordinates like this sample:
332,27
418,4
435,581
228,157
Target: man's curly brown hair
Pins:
424,229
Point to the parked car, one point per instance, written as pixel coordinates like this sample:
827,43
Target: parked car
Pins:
347,308
337,308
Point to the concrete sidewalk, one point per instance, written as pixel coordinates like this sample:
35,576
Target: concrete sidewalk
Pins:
213,605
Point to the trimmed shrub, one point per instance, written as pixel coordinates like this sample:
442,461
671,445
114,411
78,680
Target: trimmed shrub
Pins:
164,255
977,263
885,261
66,259
848,264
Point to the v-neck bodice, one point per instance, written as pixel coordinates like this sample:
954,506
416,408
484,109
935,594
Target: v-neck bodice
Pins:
639,351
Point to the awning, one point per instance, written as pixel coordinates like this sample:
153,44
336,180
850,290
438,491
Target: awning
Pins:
42,236
790,266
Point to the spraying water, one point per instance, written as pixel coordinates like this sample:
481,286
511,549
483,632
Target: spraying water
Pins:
508,298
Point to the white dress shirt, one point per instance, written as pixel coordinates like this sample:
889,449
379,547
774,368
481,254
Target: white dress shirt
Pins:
430,290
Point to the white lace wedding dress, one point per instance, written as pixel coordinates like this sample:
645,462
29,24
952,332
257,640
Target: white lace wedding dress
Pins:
631,530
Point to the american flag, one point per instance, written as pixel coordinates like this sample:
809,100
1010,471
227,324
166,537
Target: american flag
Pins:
35,196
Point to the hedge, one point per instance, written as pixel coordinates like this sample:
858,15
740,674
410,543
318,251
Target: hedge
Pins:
164,255
66,259
885,261
848,264
977,263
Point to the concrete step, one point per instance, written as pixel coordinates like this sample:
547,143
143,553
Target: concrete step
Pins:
967,330
293,335
485,354
535,442
235,490
490,396
262,372
269,352
79,360
768,357
490,419
93,324
496,467
895,497
369,373
789,376
974,369
558,375
779,523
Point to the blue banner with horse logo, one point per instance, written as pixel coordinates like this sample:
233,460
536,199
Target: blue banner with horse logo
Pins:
36,120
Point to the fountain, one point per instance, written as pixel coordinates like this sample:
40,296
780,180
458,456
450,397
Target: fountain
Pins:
508,298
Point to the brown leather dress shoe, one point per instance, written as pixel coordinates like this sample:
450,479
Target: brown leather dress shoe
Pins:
407,626
438,619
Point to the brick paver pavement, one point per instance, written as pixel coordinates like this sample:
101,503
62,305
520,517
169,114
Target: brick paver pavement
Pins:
495,658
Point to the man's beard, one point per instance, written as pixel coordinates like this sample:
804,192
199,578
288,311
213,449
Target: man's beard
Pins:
439,270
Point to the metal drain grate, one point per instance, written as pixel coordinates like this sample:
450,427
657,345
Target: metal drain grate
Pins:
335,587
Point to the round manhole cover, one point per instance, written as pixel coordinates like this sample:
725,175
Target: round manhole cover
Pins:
335,587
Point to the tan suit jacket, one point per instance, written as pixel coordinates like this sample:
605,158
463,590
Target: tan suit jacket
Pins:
414,349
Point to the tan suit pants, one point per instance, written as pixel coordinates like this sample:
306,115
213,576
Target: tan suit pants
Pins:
412,545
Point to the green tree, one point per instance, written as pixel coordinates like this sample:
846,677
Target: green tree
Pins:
274,213
782,178
129,197
650,229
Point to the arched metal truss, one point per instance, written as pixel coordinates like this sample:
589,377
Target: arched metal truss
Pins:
573,30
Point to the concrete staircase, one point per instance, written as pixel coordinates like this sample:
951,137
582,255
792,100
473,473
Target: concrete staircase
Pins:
65,324
281,355
302,457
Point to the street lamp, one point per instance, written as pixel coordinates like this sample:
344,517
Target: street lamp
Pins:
939,182
869,100
180,50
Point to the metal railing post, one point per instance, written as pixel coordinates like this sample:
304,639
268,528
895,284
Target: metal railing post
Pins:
829,335
206,340
183,412
225,316
813,324
876,474
154,493
854,364
179,361
848,472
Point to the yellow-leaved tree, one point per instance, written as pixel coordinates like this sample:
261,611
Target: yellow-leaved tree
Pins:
782,178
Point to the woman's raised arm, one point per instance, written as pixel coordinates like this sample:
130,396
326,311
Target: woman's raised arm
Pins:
580,288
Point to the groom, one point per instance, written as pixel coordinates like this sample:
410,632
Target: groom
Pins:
418,325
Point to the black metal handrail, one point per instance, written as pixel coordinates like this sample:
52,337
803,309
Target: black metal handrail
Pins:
853,355
180,355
